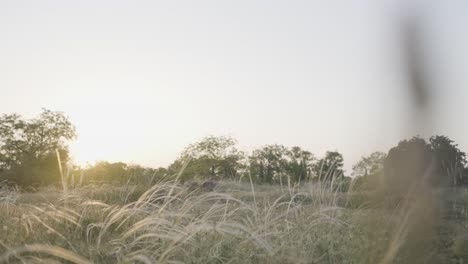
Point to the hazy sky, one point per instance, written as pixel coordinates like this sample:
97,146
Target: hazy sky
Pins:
142,79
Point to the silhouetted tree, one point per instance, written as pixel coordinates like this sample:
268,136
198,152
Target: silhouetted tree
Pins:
438,162
449,161
329,167
300,164
28,147
269,162
408,163
215,157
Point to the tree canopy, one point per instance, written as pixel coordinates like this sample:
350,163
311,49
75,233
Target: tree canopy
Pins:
369,165
329,167
28,146
449,160
215,157
438,162
269,162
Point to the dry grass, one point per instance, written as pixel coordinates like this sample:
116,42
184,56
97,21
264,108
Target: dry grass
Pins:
172,223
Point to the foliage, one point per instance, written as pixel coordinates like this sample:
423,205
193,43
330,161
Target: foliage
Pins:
269,163
272,163
329,167
368,171
439,162
138,174
369,165
300,164
28,147
107,172
449,160
407,163
214,157
120,173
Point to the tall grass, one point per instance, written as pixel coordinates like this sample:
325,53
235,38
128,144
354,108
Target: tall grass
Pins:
172,223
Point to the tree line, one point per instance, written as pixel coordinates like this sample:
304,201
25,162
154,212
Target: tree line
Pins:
33,152
219,158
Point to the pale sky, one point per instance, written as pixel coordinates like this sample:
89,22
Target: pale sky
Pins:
142,79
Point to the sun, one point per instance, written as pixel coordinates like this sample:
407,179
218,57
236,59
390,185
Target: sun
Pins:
83,155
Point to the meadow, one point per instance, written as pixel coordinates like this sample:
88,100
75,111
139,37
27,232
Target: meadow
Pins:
234,222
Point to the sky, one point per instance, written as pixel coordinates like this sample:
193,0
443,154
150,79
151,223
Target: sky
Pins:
141,80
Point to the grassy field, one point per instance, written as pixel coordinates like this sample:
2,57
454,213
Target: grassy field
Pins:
172,222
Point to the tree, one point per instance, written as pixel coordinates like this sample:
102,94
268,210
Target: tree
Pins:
368,171
369,165
407,163
300,163
106,172
438,162
28,147
212,156
143,175
269,162
329,167
449,161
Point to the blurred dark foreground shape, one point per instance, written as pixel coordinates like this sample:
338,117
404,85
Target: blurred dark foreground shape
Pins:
414,183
